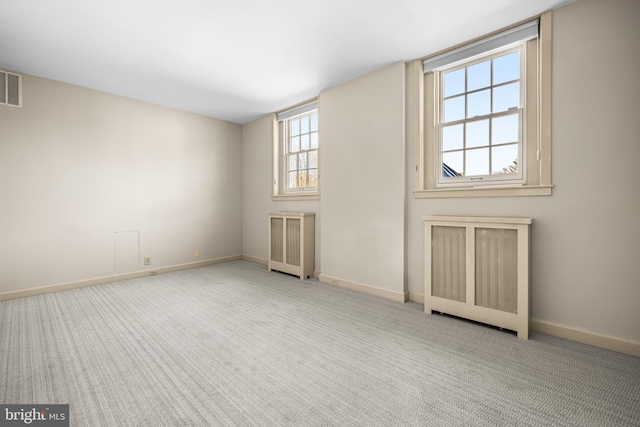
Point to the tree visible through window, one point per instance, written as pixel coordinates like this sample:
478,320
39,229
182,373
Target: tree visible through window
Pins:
301,151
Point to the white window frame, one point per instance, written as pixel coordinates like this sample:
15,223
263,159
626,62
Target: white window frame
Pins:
281,152
488,179
535,159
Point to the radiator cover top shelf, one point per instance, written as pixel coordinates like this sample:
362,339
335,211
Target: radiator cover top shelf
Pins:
478,268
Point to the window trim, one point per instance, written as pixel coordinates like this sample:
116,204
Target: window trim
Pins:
539,183
279,187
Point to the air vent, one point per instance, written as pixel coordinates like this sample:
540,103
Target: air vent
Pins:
10,89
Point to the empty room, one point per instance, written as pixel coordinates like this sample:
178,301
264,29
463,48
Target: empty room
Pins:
344,213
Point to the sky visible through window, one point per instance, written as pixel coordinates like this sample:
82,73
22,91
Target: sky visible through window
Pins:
480,132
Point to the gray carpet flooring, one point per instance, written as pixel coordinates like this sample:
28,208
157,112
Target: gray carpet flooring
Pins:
234,345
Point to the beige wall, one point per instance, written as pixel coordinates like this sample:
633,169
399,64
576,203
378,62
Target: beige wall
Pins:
78,165
586,236
362,161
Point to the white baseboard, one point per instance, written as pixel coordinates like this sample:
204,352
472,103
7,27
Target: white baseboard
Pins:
573,334
113,278
419,298
254,259
587,337
367,289
263,261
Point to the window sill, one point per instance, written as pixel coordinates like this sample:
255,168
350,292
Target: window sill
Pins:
294,197
495,191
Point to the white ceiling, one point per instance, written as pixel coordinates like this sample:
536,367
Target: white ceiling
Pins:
235,60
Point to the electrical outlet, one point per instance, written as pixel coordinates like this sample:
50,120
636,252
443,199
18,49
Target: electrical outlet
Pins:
147,261
196,254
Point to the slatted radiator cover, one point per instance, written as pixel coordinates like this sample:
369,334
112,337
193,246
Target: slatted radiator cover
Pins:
291,243
478,268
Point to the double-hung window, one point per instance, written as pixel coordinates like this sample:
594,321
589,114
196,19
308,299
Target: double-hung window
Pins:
296,166
480,126
483,116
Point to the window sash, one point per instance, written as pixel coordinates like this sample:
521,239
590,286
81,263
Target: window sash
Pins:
491,178
289,152
518,177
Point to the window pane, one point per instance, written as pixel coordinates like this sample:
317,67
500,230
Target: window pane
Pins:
504,159
452,137
304,124
313,159
302,161
293,162
454,109
313,178
302,180
454,160
295,127
504,129
477,162
314,140
304,141
314,123
479,76
478,133
454,82
479,103
295,144
293,180
506,68
505,97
